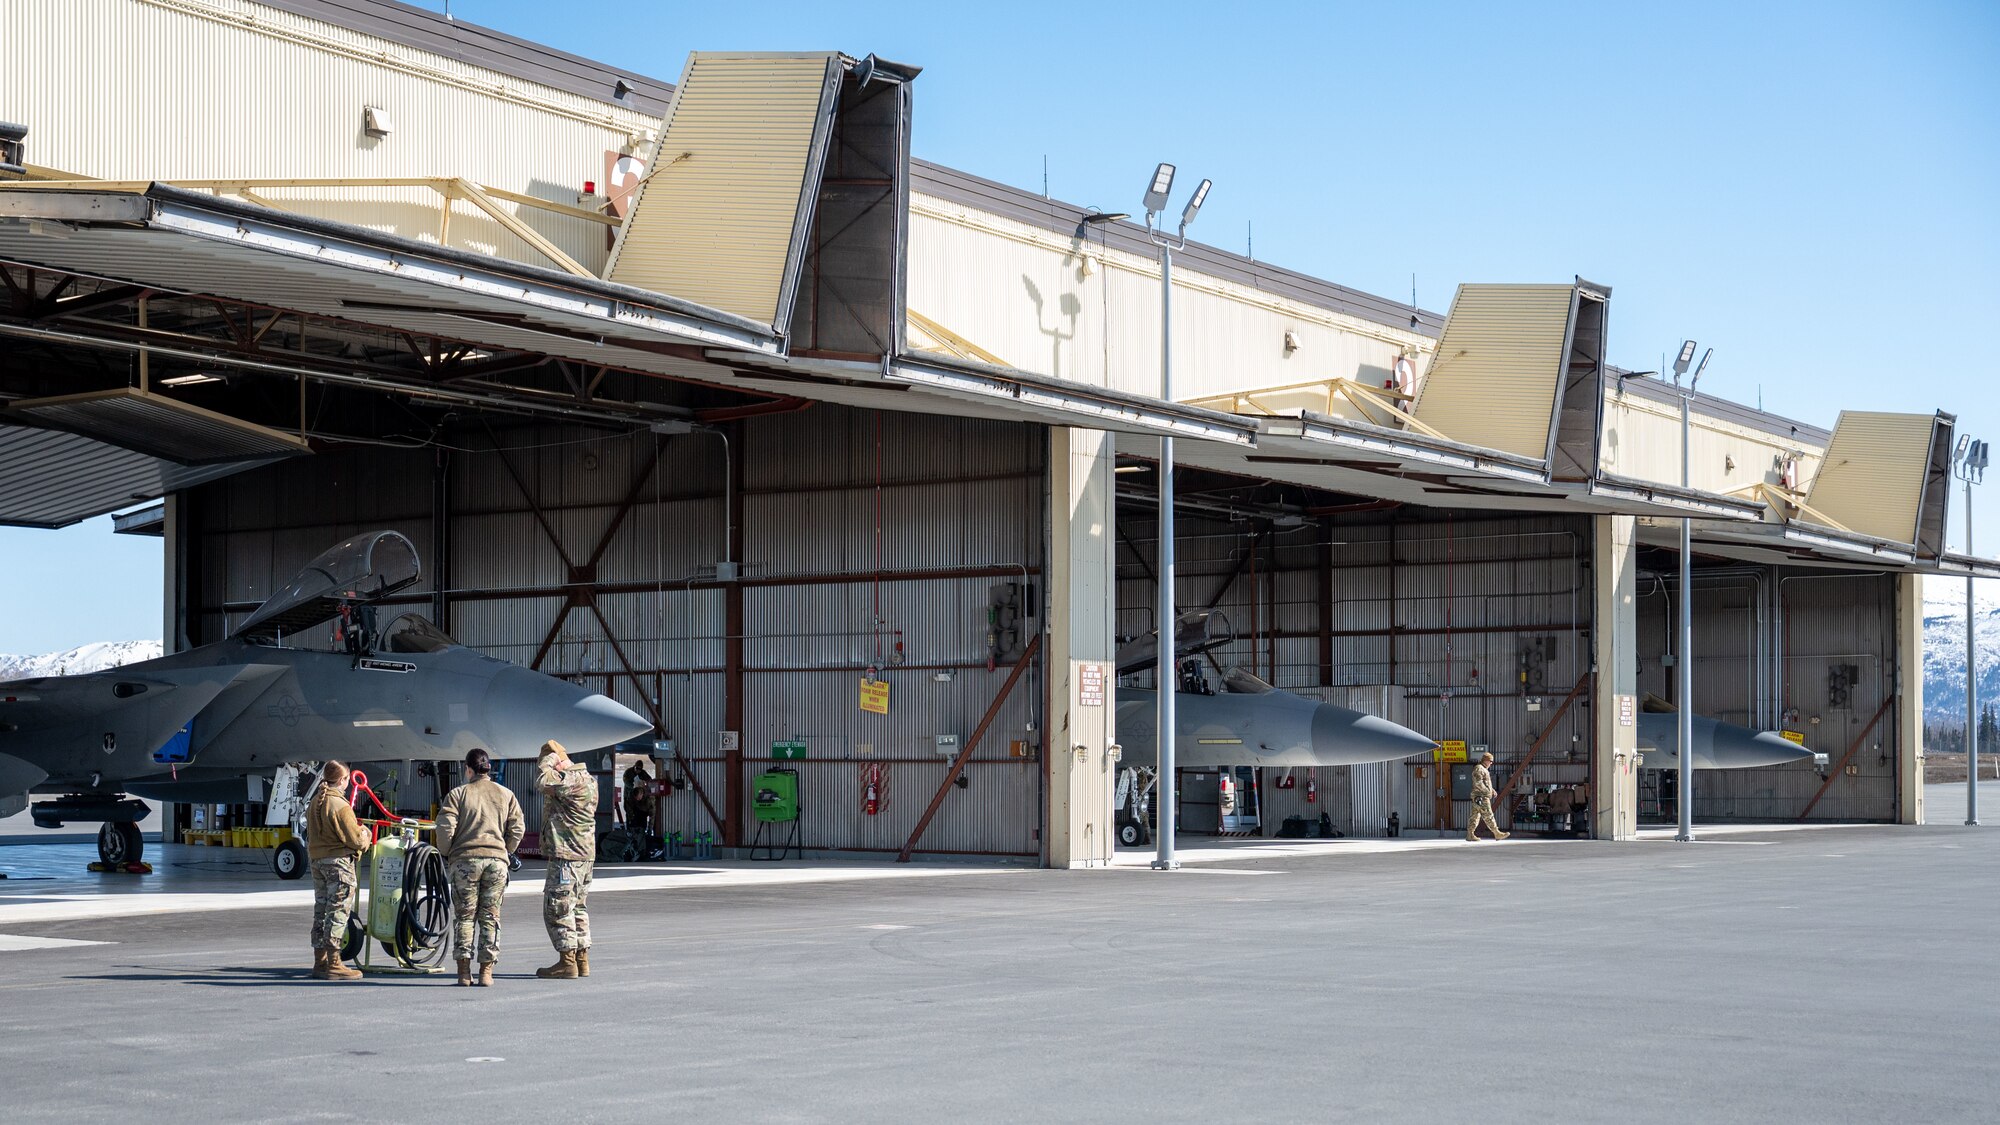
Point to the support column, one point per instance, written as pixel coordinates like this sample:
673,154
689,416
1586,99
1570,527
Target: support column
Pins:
172,608
1910,699
1082,608
1614,641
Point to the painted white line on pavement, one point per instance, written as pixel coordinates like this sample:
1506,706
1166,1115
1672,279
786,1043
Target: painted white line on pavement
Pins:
11,943
69,908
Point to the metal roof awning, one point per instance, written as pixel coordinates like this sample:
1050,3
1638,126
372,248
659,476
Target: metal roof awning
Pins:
50,478
1345,455
189,242
930,384
158,426
1808,544
178,241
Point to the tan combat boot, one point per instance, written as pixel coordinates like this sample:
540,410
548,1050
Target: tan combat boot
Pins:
319,964
485,974
1499,835
337,971
563,969
464,971
583,962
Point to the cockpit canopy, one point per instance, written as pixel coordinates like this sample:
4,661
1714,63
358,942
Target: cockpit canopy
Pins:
414,633
369,566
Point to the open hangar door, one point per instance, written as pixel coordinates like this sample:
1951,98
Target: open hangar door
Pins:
1470,627
737,584
1808,651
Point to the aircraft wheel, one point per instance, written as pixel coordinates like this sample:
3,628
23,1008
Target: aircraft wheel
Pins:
119,842
1131,834
290,860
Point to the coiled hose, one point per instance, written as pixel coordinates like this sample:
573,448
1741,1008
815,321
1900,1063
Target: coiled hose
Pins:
423,925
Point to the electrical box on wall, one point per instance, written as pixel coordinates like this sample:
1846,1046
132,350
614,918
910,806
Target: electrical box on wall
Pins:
947,745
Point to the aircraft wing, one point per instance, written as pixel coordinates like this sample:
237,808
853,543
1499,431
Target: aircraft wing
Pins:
16,778
110,721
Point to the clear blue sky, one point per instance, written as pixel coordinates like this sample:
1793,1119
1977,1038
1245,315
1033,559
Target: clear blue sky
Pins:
1810,189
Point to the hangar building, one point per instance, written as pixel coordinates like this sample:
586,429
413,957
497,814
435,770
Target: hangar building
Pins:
710,395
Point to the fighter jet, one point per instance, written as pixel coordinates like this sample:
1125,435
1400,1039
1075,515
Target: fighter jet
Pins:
1717,745
1249,723
1252,723
193,725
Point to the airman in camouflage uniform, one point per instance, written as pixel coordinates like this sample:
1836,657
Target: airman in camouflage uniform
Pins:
1482,801
569,845
478,827
334,838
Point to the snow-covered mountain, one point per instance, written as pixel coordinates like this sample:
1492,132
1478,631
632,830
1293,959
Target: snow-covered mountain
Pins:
1944,646
87,658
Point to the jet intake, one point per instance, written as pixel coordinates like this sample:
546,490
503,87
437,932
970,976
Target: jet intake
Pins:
52,814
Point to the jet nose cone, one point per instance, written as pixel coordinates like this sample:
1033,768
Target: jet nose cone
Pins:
1776,750
1351,738
525,709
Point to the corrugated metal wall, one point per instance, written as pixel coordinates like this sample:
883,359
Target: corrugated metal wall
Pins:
1044,303
829,497
1642,440
282,95
1464,606
1827,641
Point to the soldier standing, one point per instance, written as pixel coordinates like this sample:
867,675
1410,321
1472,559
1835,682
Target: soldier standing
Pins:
1482,801
335,840
639,802
569,845
478,827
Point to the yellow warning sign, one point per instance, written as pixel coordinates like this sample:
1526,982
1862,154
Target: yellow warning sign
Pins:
1450,750
875,696
1793,737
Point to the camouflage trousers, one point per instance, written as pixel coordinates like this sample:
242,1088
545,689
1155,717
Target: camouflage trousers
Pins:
334,886
476,887
566,903
1482,813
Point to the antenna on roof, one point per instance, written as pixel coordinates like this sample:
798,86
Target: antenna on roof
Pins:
1249,239
1045,175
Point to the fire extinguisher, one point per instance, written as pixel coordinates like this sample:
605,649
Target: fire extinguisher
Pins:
871,800
1312,788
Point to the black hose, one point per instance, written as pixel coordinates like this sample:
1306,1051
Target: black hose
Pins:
425,920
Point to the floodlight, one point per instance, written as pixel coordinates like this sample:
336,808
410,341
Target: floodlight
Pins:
1964,447
1985,449
1686,357
1703,366
1194,204
1163,182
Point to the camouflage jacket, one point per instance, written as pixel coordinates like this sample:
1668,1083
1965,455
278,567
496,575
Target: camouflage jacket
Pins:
1482,784
569,812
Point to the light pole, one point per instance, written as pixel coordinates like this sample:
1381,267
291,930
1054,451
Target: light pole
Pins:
1972,458
1163,789
1685,658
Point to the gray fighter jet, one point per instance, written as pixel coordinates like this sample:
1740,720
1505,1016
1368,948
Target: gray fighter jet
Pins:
1717,745
194,725
1249,723
1254,724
